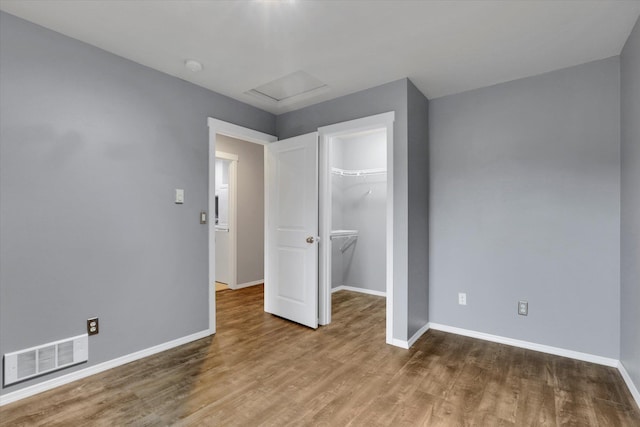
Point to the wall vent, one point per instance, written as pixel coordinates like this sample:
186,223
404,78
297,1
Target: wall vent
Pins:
34,361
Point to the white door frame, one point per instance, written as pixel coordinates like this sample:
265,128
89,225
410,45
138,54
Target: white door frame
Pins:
219,127
327,133
233,215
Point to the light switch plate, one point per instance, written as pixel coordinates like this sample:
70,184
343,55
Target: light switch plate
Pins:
179,195
462,298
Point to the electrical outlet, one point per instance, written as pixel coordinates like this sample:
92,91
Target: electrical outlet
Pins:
462,298
523,308
93,327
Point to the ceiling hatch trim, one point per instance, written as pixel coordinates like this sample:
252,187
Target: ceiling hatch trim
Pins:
290,86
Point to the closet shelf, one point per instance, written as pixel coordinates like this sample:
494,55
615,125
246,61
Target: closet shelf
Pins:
350,235
358,172
343,233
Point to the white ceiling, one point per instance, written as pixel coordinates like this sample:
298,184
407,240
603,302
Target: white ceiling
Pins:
444,47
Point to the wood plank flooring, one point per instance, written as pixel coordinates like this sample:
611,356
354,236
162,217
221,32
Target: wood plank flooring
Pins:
262,370
221,286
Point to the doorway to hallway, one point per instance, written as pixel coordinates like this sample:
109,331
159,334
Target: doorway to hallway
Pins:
242,216
239,213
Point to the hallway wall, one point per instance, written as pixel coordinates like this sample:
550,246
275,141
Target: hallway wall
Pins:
250,233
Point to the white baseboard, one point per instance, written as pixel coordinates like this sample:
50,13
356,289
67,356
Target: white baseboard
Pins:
248,284
630,385
408,343
95,369
399,343
361,290
606,361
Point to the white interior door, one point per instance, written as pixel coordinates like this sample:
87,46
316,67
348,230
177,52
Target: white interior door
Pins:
291,215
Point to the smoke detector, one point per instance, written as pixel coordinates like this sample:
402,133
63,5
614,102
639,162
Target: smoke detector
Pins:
193,65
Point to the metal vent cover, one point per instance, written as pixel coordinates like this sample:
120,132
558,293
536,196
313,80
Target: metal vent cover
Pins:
28,363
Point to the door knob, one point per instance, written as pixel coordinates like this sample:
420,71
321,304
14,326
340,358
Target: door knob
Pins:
310,239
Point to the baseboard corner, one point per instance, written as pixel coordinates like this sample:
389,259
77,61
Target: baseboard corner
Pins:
415,337
248,284
359,290
399,343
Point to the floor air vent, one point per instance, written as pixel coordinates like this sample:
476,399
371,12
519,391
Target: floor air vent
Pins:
34,361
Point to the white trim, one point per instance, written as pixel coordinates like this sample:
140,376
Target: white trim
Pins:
95,369
357,289
267,206
248,284
399,343
606,361
358,172
324,228
212,230
630,385
390,223
233,223
234,131
226,156
378,121
239,132
359,125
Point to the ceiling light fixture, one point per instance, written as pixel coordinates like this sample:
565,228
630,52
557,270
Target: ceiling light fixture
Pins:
193,65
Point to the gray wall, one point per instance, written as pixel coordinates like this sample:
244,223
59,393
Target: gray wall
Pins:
525,204
92,147
388,97
418,239
630,194
250,206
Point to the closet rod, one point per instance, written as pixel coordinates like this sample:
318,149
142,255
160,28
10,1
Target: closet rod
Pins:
335,234
358,172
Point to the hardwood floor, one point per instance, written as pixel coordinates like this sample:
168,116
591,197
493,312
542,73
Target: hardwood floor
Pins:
221,286
262,370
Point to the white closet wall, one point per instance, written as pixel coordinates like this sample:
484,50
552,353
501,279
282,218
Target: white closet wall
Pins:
359,203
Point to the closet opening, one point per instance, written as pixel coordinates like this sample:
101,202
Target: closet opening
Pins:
358,167
356,217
